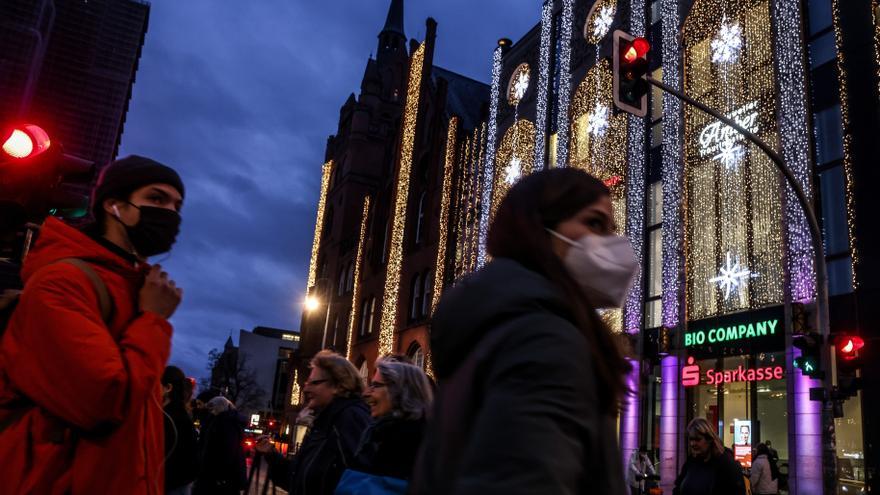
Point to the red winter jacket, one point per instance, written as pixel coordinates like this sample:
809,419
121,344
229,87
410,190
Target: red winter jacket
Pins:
97,386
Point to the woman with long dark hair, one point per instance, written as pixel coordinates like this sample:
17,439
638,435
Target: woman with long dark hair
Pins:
181,456
529,377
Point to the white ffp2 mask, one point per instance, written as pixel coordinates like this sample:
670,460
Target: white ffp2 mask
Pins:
604,266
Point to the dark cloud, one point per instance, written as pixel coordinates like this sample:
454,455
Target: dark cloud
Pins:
240,98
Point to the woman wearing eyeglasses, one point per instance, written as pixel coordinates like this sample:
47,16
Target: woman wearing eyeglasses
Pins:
333,390
710,468
399,396
529,377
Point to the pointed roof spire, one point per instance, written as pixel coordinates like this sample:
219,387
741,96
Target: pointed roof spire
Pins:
394,21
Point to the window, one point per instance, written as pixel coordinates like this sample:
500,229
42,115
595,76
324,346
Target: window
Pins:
822,50
341,286
427,298
364,370
349,278
819,15
385,242
834,224
654,256
417,355
415,303
840,276
364,327
829,135
420,217
657,97
657,135
655,203
656,13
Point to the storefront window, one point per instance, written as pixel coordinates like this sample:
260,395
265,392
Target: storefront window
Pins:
746,412
850,447
829,135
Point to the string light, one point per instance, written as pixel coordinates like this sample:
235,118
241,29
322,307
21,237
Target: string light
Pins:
672,153
543,84
564,96
519,84
489,165
388,320
294,389
319,223
727,44
514,159
449,167
847,134
635,193
794,133
355,295
746,217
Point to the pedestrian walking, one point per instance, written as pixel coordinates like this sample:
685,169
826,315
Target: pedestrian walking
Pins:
640,466
83,353
222,467
710,469
764,475
333,391
529,377
181,455
774,455
399,396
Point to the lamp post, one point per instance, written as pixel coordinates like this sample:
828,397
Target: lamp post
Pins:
312,303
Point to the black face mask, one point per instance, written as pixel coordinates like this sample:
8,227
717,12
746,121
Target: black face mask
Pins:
155,232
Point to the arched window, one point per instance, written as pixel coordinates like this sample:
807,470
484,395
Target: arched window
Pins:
365,370
428,291
341,286
368,312
349,278
420,218
417,355
416,300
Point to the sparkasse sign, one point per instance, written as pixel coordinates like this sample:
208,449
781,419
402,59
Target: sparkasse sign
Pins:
691,375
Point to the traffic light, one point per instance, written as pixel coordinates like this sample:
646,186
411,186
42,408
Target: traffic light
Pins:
37,174
848,360
630,64
809,362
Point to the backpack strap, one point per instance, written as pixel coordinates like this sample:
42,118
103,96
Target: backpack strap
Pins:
105,302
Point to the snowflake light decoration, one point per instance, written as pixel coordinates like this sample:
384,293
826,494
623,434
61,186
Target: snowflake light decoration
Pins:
597,121
727,45
519,84
730,154
513,171
731,276
602,22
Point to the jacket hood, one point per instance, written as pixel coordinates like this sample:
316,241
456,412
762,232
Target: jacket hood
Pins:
58,241
502,290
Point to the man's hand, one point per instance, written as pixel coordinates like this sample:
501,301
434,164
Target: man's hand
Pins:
160,294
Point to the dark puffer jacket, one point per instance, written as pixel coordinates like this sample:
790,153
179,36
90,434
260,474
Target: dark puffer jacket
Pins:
517,409
389,447
327,450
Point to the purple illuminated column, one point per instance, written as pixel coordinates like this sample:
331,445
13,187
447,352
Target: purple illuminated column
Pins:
669,418
805,451
629,419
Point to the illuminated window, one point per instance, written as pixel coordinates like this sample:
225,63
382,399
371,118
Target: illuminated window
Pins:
427,291
417,355
415,304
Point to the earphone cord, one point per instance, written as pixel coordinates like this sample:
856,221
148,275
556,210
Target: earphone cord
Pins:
173,445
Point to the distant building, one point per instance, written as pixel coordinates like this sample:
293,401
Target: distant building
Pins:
267,352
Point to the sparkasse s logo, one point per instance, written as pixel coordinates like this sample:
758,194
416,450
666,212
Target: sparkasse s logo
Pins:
690,374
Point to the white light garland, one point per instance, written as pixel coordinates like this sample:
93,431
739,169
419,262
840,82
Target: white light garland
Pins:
564,96
543,84
727,45
489,164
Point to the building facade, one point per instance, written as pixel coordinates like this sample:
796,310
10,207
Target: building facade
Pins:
727,269
70,66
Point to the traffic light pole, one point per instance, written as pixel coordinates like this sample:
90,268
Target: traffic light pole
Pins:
829,452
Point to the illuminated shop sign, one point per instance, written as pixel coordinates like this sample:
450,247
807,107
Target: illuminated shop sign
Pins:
760,330
722,142
733,332
691,375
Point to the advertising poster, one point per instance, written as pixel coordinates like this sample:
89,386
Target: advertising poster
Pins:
742,441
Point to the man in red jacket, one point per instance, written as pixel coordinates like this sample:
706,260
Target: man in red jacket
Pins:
80,400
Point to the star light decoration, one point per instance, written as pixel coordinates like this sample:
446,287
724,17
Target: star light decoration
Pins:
732,276
597,121
513,171
602,21
727,45
731,154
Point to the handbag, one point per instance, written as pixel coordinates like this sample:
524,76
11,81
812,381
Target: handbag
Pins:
360,483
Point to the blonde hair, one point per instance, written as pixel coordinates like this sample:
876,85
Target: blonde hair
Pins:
343,375
701,427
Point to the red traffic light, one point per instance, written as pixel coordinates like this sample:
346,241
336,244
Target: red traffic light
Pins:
26,141
848,345
636,50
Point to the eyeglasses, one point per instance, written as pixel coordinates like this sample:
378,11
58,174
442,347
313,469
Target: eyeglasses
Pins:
375,385
312,383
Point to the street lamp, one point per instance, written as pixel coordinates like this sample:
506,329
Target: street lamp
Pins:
312,303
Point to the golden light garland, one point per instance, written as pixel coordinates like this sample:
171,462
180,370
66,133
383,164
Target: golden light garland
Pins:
294,389
732,191
319,223
449,167
599,147
516,151
847,137
388,321
355,295
462,201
